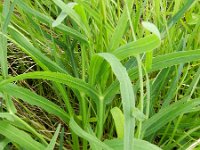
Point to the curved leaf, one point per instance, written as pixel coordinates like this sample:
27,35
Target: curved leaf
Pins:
20,137
48,20
91,138
34,99
142,45
128,98
117,144
66,79
167,114
53,140
44,62
175,58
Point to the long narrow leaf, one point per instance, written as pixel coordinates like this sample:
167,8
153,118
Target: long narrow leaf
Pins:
57,77
117,144
137,47
34,99
37,55
20,137
91,138
49,21
167,114
128,99
53,140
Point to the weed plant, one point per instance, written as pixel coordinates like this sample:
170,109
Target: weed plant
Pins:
104,74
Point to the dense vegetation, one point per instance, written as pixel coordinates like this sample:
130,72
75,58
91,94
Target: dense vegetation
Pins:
100,74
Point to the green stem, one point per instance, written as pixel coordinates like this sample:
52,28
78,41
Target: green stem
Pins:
7,11
100,120
141,102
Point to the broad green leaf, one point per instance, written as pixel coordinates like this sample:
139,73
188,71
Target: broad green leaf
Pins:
140,46
117,144
34,99
91,138
175,58
159,62
128,97
146,44
152,28
167,114
53,140
20,137
8,116
49,21
118,117
149,55
66,79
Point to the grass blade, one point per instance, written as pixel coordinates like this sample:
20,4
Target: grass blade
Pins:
128,99
177,16
75,127
62,15
34,99
49,21
7,12
175,58
53,140
117,144
60,78
167,114
118,117
68,10
18,136
37,55
134,48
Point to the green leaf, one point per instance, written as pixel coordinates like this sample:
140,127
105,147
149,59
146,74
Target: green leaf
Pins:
140,46
63,15
152,28
20,137
159,62
68,10
118,117
175,58
128,98
120,28
91,138
53,140
117,144
66,79
44,62
34,99
138,114
177,16
167,114
49,21
7,13
4,143
18,122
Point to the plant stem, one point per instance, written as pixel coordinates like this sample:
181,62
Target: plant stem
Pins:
100,120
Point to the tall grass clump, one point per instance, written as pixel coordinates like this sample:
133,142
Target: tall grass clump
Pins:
105,74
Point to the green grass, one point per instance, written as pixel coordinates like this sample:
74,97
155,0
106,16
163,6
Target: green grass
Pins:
106,74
